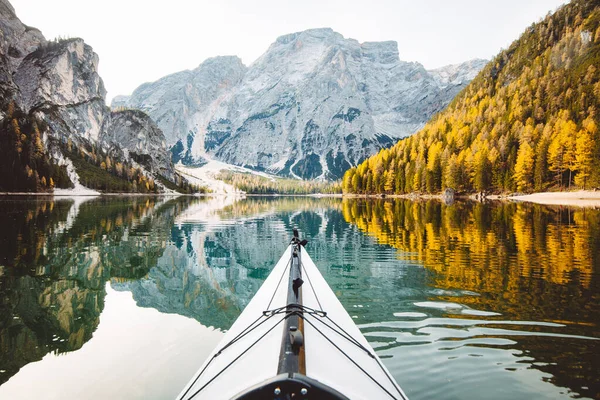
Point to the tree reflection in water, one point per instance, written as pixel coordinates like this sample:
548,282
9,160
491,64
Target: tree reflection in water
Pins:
55,259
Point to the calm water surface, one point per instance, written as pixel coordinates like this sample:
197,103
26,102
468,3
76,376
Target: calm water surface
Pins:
125,298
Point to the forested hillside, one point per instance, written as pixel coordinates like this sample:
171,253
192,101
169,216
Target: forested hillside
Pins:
25,164
529,121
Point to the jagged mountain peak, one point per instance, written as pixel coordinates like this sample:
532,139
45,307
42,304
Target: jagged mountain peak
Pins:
384,51
52,101
314,33
212,68
220,61
16,39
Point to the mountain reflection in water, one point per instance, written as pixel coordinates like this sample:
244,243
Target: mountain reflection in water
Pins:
462,301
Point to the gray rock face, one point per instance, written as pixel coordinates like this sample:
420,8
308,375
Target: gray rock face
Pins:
62,74
313,105
185,103
119,102
457,74
142,140
16,41
58,81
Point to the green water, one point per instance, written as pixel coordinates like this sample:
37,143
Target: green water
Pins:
125,298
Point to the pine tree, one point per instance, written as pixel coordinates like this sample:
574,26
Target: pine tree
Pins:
481,171
584,158
524,167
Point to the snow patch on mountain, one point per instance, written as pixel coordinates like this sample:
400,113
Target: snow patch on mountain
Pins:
78,189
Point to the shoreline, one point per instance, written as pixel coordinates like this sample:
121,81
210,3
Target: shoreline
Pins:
580,198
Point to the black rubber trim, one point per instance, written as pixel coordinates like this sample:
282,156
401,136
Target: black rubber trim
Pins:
289,386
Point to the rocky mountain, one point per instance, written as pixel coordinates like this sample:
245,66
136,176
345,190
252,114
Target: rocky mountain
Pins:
54,123
60,80
311,106
134,133
457,74
184,103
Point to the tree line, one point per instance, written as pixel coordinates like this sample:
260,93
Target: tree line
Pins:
255,184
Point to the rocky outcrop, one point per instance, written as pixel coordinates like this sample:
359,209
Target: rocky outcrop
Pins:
59,73
55,86
60,80
313,105
139,137
16,41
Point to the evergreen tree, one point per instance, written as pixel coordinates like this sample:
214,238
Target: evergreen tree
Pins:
524,168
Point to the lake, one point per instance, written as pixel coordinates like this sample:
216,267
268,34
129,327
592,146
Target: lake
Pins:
125,298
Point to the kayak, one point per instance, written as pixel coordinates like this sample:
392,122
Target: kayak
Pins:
294,340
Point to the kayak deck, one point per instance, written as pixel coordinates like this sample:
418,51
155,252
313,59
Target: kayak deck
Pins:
293,337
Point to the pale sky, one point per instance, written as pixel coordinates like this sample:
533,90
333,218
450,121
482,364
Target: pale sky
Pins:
142,40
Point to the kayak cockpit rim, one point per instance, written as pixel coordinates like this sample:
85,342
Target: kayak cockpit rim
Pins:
285,384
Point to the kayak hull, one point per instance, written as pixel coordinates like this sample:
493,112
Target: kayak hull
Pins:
335,360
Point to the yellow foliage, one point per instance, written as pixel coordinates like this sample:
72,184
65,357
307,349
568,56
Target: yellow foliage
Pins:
524,167
438,236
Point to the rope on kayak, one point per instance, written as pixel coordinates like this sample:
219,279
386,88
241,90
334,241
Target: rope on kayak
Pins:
243,333
355,342
231,363
345,335
311,285
279,283
299,308
302,312
355,363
